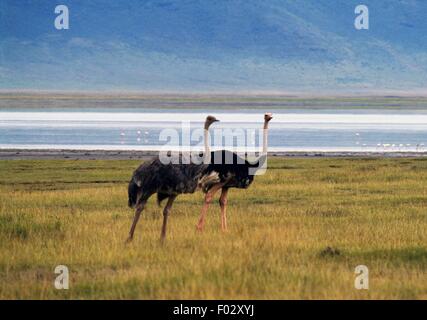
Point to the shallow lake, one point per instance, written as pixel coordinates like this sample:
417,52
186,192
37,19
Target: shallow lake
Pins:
145,129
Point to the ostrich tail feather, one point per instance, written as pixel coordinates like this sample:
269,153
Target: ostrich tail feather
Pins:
133,193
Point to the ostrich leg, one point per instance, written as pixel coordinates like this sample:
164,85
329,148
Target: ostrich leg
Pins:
208,199
166,212
138,211
223,204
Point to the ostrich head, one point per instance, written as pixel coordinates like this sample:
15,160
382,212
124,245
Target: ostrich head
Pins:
268,117
209,121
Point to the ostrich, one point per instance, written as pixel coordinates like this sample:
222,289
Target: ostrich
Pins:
233,172
168,181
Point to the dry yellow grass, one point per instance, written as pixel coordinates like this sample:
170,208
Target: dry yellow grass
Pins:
372,211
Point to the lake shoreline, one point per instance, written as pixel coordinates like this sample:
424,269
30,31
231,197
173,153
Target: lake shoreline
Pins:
54,154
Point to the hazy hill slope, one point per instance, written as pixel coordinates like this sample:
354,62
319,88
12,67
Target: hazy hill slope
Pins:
214,45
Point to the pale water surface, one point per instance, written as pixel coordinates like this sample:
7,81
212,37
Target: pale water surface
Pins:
290,130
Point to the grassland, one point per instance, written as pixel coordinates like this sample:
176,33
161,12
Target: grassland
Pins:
369,211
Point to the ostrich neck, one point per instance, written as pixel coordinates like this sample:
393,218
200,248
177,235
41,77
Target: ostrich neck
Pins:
207,153
206,140
265,138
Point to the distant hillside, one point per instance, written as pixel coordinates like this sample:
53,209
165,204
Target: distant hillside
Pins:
183,45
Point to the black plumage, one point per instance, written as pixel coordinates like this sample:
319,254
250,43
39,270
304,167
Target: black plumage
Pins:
164,179
233,170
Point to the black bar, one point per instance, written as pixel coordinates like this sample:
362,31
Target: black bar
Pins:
220,309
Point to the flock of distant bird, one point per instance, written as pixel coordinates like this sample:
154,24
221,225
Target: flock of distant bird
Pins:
138,139
400,146
392,146
379,146
218,170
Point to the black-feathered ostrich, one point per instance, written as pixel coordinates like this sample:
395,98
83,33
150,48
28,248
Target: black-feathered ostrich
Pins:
233,172
168,181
